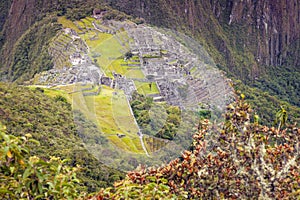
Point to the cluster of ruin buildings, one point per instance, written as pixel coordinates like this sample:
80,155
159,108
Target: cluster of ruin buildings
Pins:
182,78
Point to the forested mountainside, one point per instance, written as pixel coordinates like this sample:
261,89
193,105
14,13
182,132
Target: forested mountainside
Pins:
253,41
247,35
266,29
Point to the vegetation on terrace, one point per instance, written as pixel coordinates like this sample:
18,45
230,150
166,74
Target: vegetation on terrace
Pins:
146,88
164,121
108,110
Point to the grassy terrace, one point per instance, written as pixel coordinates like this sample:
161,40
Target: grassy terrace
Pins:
106,50
67,24
113,116
109,110
145,89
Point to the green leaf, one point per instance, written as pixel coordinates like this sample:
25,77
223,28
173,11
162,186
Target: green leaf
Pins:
164,181
27,172
34,141
50,184
40,177
40,188
164,187
12,169
5,150
5,191
151,185
5,137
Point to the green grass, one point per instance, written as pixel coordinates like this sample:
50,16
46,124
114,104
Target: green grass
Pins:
134,73
110,50
144,88
153,144
67,88
105,49
80,25
109,111
68,24
88,22
164,51
51,92
129,71
93,44
113,116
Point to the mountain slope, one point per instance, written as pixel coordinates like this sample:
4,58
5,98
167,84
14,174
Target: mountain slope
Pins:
51,122
245,38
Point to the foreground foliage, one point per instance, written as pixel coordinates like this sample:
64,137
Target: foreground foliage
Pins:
242,160
30,177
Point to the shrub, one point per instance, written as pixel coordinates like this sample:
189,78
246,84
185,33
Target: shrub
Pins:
27,177
241,160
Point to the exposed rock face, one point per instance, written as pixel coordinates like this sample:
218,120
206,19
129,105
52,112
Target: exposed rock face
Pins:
271,26
23,14
277,22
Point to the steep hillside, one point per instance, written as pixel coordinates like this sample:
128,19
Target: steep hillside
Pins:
23,14
51,122
4,7
247,34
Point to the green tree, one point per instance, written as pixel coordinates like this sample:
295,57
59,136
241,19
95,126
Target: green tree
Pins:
281,117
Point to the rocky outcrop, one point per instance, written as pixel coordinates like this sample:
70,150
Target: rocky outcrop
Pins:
276,22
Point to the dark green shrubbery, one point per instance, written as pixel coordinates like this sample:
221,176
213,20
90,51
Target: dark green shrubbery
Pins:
164,126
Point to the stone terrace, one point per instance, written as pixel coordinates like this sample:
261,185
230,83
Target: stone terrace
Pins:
182,78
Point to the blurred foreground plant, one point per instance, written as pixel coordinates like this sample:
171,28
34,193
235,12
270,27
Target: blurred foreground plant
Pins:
30,177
